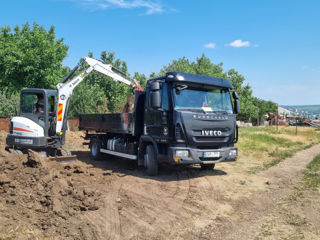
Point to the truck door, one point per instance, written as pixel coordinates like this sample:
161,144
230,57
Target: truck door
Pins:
156,120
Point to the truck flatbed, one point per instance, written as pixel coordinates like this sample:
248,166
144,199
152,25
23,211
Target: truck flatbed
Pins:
107,122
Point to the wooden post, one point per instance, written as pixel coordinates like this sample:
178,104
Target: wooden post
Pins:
296,127
277,117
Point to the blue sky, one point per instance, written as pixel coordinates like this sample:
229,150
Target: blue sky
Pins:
274,44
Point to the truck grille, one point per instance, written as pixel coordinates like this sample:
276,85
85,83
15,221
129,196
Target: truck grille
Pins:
211,139
178,132
11,127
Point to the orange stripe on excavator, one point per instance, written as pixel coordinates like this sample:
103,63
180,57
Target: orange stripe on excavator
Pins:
60,108
21,129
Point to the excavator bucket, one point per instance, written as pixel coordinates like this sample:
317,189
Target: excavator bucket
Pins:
64,159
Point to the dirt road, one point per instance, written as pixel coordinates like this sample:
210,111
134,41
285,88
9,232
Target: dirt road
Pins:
112,199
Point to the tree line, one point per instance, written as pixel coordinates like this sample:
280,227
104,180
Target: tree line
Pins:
31,57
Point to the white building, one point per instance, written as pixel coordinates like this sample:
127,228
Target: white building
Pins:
285,112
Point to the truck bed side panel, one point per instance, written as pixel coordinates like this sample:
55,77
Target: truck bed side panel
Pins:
111,122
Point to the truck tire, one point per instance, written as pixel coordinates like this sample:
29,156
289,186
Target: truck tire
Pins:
95,149
207,166
151,162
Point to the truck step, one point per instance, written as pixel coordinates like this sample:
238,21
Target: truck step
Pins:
119,154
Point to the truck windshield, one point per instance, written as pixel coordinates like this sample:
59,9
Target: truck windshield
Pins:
203,100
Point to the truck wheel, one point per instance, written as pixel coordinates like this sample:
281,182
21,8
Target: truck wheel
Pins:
95,149
150,161
207,166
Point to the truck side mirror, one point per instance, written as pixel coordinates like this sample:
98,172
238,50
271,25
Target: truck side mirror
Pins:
235,95
236,102
155,99
155,86
237,106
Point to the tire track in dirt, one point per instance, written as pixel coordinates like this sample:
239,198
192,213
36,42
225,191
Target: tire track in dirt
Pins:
183,188
281,182
203,196
94,221
112,218
151,205
202,187
105,223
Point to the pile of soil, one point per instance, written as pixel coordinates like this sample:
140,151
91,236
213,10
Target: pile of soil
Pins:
40,194
113,199
3,152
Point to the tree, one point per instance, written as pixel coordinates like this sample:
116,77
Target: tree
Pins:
264,107
99,93
87,98
247,108
141,78
203,66
30,57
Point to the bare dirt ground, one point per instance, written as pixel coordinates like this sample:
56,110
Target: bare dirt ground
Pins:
113,199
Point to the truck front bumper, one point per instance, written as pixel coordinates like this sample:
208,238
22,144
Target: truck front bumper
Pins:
202,156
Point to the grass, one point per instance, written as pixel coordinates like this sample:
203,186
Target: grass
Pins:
312,173
264,147
310,181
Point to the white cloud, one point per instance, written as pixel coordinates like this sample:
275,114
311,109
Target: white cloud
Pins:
210,45
239,43
151,7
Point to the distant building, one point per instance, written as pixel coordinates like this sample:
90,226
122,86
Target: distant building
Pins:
285,113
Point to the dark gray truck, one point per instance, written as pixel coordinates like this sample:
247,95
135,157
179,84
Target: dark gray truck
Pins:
179,119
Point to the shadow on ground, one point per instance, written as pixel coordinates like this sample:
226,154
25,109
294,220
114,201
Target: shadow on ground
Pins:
129,167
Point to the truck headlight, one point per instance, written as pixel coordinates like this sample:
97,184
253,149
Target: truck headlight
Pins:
233,153
182,153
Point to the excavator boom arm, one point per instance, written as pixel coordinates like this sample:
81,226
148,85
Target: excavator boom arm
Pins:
65,87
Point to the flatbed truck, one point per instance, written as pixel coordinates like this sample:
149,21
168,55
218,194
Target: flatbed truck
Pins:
180,118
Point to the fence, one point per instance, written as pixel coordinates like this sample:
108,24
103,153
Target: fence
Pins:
5,124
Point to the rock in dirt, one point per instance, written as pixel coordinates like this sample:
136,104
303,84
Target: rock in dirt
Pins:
4,179
34,160
78,170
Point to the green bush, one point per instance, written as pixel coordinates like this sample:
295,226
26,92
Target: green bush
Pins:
9,105
87,98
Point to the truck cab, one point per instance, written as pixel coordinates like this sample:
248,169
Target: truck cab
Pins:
192,118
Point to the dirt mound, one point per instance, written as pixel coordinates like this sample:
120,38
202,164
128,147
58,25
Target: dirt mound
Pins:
3,136
34,160
74,141
40,194
113,199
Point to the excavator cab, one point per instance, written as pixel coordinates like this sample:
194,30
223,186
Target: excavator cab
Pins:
37,120
39,105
